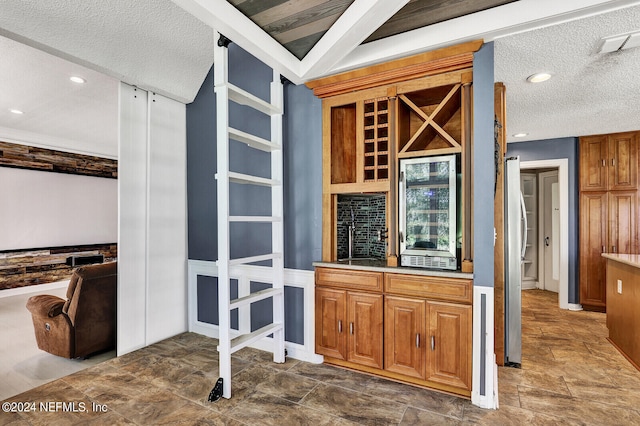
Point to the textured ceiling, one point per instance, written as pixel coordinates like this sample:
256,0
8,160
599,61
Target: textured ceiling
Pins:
153,44
589,93
76,117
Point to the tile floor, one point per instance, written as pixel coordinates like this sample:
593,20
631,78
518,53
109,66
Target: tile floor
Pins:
22,365
570,375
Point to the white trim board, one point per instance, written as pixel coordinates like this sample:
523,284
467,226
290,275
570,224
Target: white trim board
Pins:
8,292
562,164
484,389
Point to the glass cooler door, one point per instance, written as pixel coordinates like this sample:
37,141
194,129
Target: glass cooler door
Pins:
428,206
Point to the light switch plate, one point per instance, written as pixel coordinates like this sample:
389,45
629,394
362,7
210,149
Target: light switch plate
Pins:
619,286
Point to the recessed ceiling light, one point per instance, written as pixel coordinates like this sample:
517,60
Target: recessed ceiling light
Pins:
539,77
16,111
77,79
520,135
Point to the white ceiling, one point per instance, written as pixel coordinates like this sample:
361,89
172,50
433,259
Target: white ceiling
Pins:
160,45
57,112
589,92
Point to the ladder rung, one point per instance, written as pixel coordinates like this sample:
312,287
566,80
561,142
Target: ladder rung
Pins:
251,180
254,297
247,339
252,259
254,219
252,140
243,97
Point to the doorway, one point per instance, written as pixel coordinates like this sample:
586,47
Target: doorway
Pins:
549,231
562,167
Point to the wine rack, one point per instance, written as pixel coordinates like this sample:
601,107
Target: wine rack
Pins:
376,139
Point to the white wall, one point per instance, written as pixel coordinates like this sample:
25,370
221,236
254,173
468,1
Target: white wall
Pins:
152,290
47,209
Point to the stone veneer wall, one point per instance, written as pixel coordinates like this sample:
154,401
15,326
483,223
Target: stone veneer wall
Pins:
28,157
30,267
370,217
22,268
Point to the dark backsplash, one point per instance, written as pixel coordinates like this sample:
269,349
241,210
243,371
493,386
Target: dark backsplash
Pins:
370,217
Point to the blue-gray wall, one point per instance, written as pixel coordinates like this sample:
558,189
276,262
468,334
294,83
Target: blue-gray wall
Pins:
483,184
484,171
302,185
553,149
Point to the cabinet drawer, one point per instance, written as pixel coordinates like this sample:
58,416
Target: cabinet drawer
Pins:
349,279
451,289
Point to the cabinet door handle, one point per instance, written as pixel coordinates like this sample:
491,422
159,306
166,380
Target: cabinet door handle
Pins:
603,163
613,161
603,249
351,327
418,340
339,326
433,343
613,249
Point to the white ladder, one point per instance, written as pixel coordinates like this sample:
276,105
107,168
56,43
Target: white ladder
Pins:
226,92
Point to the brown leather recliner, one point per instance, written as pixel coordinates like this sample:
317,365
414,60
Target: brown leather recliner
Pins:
85,323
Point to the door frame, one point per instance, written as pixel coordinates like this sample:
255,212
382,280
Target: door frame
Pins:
542,282
562,164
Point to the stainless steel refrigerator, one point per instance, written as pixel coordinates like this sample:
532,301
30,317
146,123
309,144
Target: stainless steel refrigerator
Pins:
515,243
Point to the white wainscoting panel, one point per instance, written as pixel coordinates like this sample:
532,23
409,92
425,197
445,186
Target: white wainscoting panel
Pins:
245,274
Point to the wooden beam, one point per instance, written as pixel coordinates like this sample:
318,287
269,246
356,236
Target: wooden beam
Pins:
357,23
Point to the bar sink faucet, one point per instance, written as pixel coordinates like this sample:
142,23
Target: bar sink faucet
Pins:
351,235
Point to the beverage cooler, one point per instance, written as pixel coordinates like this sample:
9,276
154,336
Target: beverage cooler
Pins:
428,212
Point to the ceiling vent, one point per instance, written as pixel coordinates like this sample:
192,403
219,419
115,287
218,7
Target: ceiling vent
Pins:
620,42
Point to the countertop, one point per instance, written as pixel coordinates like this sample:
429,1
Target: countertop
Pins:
628,259
380,265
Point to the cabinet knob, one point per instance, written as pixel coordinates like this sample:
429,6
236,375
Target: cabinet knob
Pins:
339,326
433,343
418,340
351,327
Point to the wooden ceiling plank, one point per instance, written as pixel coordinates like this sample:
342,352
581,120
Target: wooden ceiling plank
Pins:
420,13
284,10
305,30
254,7
309,16
301,46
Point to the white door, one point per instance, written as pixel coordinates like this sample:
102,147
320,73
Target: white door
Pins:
550,226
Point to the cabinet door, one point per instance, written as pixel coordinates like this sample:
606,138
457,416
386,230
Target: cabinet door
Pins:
449,352
330,322
405,339
623,231
623,161
365,329
593,242
593,163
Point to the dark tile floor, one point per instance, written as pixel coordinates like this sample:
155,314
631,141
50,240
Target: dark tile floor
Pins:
570,375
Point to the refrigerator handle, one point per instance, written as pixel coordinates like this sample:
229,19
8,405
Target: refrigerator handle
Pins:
524,228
